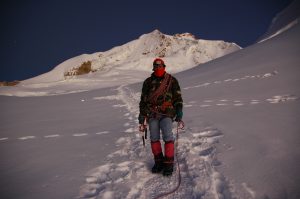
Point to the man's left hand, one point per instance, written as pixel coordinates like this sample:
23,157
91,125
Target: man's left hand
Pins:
179,115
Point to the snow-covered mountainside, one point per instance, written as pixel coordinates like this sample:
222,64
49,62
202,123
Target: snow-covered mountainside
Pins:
241,137
128,63
181,51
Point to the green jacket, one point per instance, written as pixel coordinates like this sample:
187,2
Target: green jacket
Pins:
168,103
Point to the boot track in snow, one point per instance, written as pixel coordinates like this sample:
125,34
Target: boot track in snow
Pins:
127,173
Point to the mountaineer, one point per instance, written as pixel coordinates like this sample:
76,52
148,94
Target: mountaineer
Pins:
161,103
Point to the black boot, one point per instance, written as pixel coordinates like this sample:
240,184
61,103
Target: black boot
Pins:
169,158
159,164
168,166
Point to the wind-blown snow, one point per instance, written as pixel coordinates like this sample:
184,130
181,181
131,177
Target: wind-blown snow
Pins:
284,20
288,26
241,137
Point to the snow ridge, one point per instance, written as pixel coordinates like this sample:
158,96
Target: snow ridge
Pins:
285,28
125,64
181,51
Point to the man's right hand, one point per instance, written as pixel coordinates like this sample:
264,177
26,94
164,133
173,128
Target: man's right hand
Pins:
142,128
142,123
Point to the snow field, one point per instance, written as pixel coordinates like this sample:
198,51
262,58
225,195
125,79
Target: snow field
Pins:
133,97
197,154
127,173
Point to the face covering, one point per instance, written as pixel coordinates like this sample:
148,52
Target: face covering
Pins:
159,72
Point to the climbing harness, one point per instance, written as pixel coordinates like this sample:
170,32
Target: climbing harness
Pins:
180,125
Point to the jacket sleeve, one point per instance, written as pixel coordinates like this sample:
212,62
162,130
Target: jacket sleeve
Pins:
144,110
177,98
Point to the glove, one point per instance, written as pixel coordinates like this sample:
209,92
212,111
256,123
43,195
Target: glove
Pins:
179,115
142,125
141,119
142,128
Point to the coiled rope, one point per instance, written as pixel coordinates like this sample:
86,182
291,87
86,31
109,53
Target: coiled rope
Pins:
180,125
164,87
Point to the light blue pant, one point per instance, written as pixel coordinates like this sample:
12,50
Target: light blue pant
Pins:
165,125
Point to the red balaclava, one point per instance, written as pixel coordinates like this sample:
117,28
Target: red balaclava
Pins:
159,71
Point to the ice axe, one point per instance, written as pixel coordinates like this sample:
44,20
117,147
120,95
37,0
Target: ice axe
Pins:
144,136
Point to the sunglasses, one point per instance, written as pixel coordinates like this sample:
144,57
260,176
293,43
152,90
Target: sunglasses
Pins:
158,65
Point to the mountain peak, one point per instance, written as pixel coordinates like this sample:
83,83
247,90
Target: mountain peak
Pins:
154,34
158,34
156,31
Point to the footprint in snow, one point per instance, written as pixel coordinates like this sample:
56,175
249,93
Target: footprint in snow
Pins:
103,132
126,124
282,98
27,138
51,136
128,178
117,178
79,134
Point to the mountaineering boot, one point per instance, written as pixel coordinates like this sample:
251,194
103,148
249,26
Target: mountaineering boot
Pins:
159,164
158,157
168,166
169,158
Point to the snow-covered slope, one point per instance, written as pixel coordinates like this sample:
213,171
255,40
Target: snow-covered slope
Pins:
242,115
252,97
128,63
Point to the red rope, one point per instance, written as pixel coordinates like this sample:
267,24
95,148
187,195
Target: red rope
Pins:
176,154
163,87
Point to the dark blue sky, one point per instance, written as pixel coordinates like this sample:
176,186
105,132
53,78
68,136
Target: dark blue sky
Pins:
38,35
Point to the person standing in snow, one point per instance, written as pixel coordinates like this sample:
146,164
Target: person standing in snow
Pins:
160,104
